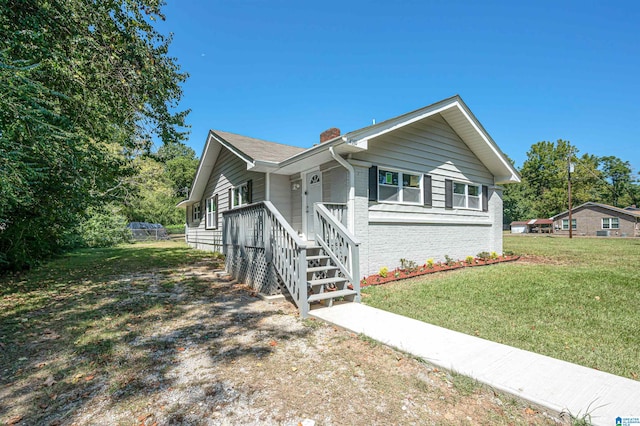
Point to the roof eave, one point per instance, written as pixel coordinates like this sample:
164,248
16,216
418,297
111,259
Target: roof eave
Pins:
494,160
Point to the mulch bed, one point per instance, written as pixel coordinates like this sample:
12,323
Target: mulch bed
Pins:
402,274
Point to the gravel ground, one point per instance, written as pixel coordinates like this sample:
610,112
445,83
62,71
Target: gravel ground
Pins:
187,347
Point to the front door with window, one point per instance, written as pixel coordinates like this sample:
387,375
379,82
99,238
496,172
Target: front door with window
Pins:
313,195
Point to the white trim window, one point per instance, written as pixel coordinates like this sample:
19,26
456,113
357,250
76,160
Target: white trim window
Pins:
211,212
565,224
240,195
196,212
395,186
610,223
466,196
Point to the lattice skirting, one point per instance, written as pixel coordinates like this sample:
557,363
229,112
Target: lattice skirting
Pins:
249,265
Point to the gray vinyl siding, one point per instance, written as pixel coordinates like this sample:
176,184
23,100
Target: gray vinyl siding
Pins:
296,204
393,231
429,147
280,194
228,171
335,184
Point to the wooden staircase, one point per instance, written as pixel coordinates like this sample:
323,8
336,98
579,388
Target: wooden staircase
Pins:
325,282
262,250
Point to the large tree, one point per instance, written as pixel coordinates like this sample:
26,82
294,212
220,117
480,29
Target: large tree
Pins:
617,174
84,86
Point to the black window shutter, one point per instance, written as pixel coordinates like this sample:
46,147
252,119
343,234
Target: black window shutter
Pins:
426,184
215,211
485,198
448,194
250,191
230,198
373,183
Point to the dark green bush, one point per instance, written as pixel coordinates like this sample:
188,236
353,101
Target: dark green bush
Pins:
104,227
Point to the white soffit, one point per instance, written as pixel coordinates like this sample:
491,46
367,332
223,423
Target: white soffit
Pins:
460,118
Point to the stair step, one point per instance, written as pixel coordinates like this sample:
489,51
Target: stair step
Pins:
324,281
317,257
331,295
322,268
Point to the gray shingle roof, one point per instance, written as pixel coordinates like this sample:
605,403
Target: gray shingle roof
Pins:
257,149
604,206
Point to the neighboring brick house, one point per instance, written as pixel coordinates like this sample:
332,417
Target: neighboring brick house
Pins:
594,219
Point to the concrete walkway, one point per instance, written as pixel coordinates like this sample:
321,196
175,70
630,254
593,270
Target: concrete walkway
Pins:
557,385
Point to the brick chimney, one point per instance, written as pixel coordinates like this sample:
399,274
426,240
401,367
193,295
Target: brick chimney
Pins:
329,134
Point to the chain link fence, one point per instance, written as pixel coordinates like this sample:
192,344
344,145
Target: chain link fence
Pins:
144,231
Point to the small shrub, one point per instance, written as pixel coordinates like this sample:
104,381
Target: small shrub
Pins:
396,274
408,265
494,255
430,263
363,282
483,255
383,272
508,253
469,260
449,261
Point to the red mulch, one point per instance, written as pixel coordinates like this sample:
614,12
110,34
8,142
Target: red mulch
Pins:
402,274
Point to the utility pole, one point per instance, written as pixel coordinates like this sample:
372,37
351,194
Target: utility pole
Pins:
569,166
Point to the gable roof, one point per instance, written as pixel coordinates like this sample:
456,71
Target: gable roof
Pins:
458,115
263,156
257,149
631,213
251,150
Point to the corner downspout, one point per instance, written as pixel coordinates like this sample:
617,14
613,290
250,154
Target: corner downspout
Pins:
267,191
351,204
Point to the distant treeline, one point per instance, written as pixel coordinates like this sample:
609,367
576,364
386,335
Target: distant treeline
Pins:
543,191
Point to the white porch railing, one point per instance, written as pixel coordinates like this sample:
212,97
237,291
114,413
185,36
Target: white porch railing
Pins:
338,243
337,210
263,251
258,242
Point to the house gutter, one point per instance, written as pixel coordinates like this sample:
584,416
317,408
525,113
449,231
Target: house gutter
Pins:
351,201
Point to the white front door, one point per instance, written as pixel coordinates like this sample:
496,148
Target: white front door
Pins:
313,195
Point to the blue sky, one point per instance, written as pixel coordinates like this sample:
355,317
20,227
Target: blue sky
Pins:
287,70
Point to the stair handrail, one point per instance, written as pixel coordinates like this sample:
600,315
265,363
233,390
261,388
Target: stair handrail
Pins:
285,250
326,224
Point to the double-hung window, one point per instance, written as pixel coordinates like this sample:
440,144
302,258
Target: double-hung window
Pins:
610,223
240,195
196,212
211,212
565,224
395,186
466,196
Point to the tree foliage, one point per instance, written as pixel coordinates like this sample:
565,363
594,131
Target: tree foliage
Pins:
544,192
154,197
85,86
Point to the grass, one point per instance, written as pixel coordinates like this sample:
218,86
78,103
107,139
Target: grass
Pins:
175,229
146,332
81,309
575,300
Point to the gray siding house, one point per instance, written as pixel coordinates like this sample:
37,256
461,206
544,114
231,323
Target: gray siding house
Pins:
315,221
595,219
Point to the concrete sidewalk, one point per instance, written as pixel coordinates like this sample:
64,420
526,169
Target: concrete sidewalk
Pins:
557,385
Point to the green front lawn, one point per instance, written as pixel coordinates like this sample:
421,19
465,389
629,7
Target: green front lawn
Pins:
576,300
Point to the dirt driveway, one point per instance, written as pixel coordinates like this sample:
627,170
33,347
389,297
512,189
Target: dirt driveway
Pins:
184,347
